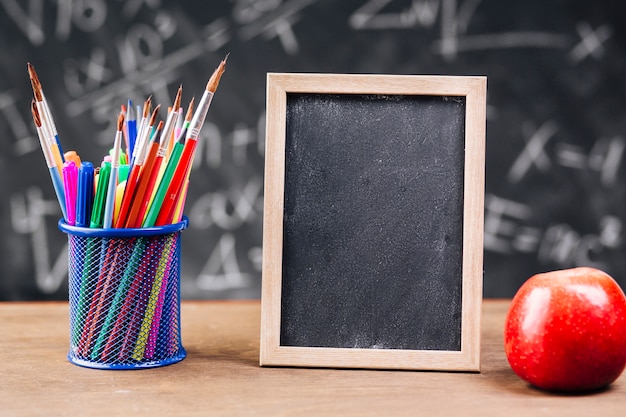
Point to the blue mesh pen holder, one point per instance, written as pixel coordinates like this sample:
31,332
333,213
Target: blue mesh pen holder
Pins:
124,294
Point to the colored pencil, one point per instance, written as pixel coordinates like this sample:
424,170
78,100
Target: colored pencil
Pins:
175,138
135,215
135,169
131,128
152,167
125,296
143,131
159,197
153,299
144,280
158,313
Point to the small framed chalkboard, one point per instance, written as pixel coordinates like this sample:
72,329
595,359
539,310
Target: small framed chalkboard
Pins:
373,221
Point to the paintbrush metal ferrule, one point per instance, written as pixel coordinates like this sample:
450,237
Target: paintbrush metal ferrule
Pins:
170,122
47,154
200,115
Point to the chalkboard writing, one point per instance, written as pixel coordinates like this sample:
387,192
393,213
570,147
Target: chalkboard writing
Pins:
380,220
555,147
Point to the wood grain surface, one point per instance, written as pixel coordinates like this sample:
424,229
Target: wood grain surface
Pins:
221,376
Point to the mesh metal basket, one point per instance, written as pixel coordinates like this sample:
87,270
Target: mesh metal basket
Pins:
124,294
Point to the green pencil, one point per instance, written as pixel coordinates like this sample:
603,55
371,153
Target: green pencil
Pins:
159,196
97,213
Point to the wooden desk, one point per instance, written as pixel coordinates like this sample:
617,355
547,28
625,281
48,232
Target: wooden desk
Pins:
221,376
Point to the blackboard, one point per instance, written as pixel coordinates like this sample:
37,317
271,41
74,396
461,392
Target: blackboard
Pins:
555,119
373,221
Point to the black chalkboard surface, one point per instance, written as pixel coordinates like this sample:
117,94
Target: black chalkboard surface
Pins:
373,219
555,118
378,208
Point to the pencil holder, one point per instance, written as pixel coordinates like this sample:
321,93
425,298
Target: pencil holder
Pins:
124,294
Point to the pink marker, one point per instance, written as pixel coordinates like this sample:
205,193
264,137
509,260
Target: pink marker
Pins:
70,183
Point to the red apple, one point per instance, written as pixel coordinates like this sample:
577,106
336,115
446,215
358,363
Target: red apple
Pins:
566,330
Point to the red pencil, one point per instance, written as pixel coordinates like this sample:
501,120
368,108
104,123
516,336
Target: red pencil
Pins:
168,207
152,166
131,182
135,217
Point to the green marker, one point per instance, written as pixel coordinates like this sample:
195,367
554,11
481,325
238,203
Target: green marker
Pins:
97,213
159,196
123,173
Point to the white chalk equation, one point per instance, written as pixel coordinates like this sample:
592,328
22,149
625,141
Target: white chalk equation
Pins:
604,157
22,135
97,54
545,152
507,232
454,19
29,214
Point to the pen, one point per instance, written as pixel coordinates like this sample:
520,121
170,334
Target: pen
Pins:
70,179
84,194
97,212
73,156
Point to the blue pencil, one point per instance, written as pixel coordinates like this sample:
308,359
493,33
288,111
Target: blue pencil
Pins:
131,126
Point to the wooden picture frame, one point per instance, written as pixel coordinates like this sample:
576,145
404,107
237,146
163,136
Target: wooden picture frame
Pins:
300,110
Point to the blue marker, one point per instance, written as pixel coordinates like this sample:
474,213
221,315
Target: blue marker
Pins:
84,198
